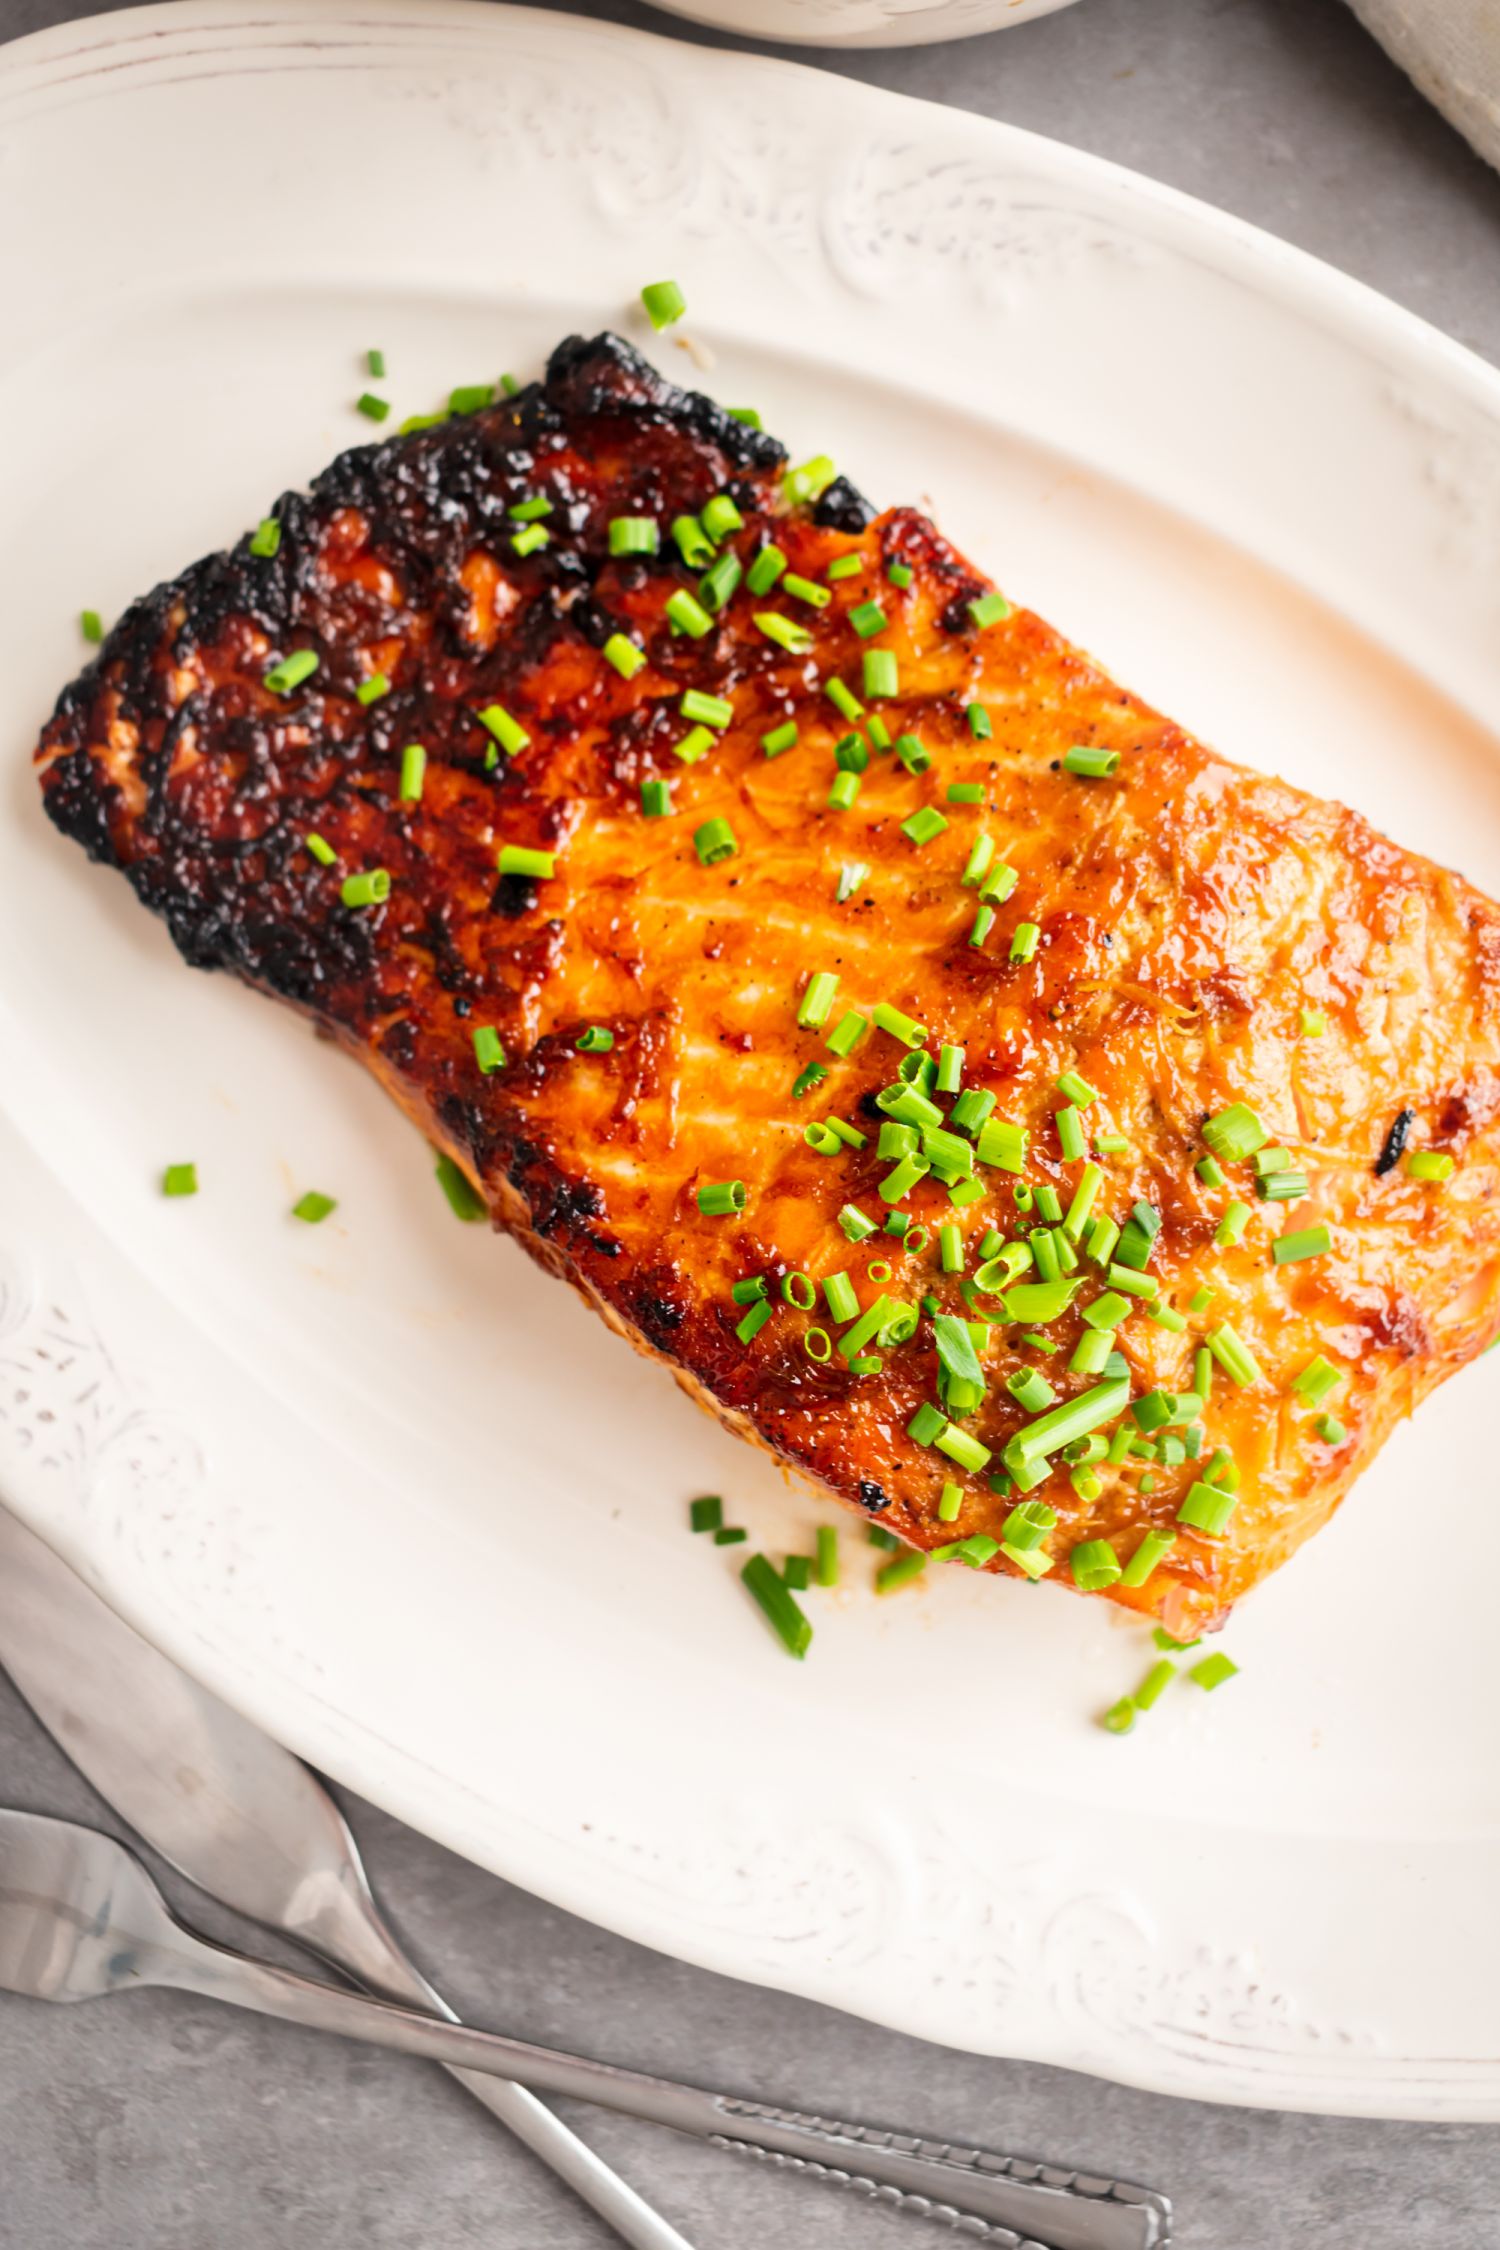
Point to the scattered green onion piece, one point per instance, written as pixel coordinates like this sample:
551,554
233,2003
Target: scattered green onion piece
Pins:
817,999
841,796
845,566
292,671
180,1179
844,701
900,1026
868,618
489,1049
1209,1172
413,772
1002,1144
371,888
530,510
688,614
721,516
1030,1389
1330,1429
950,1504
1282,1187
1213,1671
1166,1317
848,1032
810,1075
464,1199
881,673
838,1291
1070,1134
1429,1164
1048,1204
965,1450
766,1586
914,754
1236,1358
520,859
745,414
784,631
1111,1144
1094,1564
750,1291
780,738
805,590
981,852
901,1572
688,538
984,922
656,799
1038,1301
707,710
808,480
764,571
965,793
530,539
886,1541
979,722
715,841
821,1138
720,1198
594,1039
1313,1022
971,1109
620,651
717,585
374,409
1155,1684
854,1225
1235,1134
508,732
706,1514
989,609
1024,944
754,1321
818,1345
634,535
905,1177
1231,1227
900,575
265,539
470,398
664,303
1075,1418
320,849
826,1562
951,1249
1307,1242
1134,1284
1091,763
371,690
1316,1380
926,1425
1120,1717
797,1573
1200,1300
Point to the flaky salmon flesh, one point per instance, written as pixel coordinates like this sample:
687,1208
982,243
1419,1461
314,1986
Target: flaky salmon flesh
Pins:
1068,1148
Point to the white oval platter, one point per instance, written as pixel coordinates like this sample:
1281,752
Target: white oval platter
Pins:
400,1497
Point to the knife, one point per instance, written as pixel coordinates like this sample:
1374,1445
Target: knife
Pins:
243,1819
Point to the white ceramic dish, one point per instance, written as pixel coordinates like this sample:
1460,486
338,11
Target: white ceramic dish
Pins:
862,23
340,1474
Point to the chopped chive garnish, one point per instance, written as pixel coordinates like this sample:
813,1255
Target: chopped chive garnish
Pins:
797,1572
1075,1418
983,923
914,755
664,303
719,581
1093,764
1235,1134
950,1504
1306,1242
314,1207
1070,1134
470,398
1213,1671
721,1198
780,738
979,722
1209,1172
806,590
1148,1554
374,409
292,671
900,1026
900,575
855,1226
1094,1564
520,859
845,789
1111,1144
371,690
786,1620
924,825
721,516
531,538
989,609
1030,1389
1237,1360
265,539
966,793
375,363
882,674
818,1345
745,414
981,852
844,700
886,1541
1090,1352
1155,1684
1330,1429
695,744
320,849
1120,1717
634,535
656,799
998,885
706,1514
1024,944
1076,1090
1316,1380
372,888
1284,1186
749,1291
1231,1227
688,614
711,710
1207,1508
692,543
845,566
1001,1143
594,1039
530,510
754,1321
867,619
413,772
180,1179
489,1050
893,1575
817,999
808,480
464,1199
784,631
826,1562
851,875
1429,1164
622,652
764,571
810,1075
847,1032
730,1535
927,1424
965,1450
715,841
509,385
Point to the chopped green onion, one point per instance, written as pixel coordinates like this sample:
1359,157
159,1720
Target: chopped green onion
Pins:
1070,1134
1074,1419
1236,1358
998,885
867,619
1038,1301
848,1032
489,1049
1134,1284
1282,1187
620,651
844,700
900,1183
845,789
371,690
745,414
320,849
965,793
926,1424
1307,1242
720,1198
1024,944
827,1563
914,755
1232,1226
1313,1022
594,1039
1165,1317
530,539
766,1586
989,609
902,1027
750,1291
965,1450
715,841
370,889
794,638
509,385
180,1179
901,1572
292,671
809,480
470,398
810,1075
780,738
688,614
1080,1210
1207,1508
265,539
764,571
1002,1144
817,999
950,1248
374,409
981,852
979,722
1155,1684
797,1572
1090,1352
707,710
970,1111
530,510
695,548
1316,1380
806,590
1094,1564
520,859
984,922
799,1289
664,303
845,566
1209,1172
881,673
1030,1389
721,516
656,799
464,1199
718,583
634,535
1148,1554
900,575
754,1321
818,1345
413,772
508,732
950,1504
878,731
838,1292
1235,1134
1120,1717
1429,1164
1330,1429
923,825
706,1514
854,1225
1111,1144
1092,764
1213,1671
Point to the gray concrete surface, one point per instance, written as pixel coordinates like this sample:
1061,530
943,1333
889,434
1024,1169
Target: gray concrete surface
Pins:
160,2124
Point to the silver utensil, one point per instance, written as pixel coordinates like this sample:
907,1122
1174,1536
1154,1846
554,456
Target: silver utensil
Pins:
80,1917
243,1819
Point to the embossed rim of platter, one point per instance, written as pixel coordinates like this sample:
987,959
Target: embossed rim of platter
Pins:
106,1389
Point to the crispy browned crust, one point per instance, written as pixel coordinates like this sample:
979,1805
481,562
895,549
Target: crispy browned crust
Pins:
1187,910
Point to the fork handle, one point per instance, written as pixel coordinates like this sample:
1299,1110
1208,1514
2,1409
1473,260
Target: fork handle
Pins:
1020,2206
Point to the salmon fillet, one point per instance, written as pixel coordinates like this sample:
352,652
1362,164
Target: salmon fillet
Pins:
619,804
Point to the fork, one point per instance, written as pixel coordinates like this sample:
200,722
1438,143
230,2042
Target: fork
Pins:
80,1917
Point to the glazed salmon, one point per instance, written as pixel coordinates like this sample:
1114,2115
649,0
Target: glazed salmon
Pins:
1068,1147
